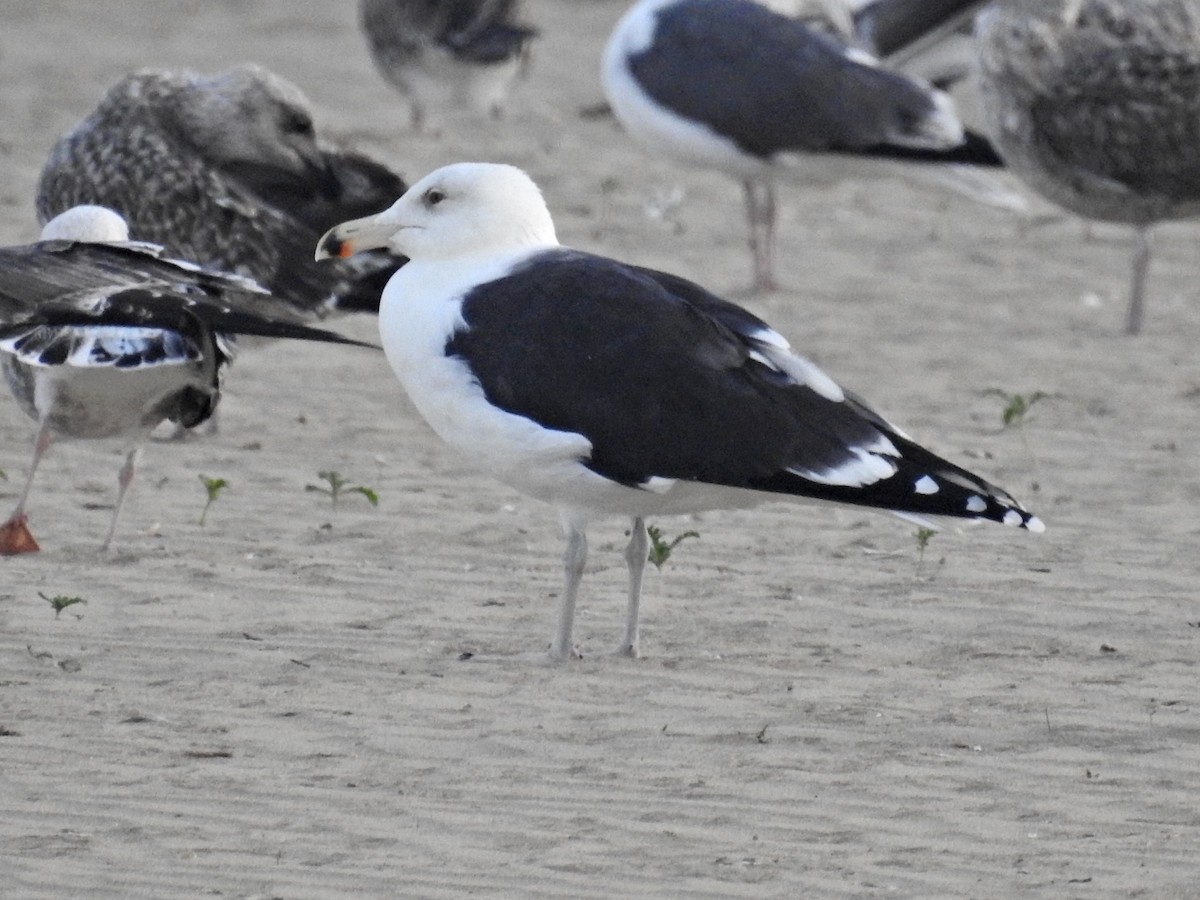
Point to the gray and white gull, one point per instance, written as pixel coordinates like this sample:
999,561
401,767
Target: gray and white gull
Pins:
104,338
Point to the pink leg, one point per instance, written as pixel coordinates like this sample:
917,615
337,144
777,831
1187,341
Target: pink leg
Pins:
15,536
1137,293
124,479
760,213
41,444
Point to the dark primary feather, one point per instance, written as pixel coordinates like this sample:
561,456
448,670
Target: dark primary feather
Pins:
64,283
975,150
666,380
771,84
228,171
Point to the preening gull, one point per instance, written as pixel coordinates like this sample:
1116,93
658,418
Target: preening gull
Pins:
731,85
107,340
1095,104
447,53
610,389
225,170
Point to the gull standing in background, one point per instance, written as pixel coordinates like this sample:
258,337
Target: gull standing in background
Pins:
443,54
1095,104
733,86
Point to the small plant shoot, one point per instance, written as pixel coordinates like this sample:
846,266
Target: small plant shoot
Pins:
661,548
213,488
1016,406
60,602
335,485
924,536
1016,409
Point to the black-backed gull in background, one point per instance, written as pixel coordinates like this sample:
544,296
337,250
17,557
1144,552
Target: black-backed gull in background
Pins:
225,170
446,54
1095,104
604,388
731,85
107,340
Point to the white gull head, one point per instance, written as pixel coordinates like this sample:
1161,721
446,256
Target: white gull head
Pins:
88,223
461,210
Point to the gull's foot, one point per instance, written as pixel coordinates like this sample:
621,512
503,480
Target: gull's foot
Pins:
629,650
560,653
15,537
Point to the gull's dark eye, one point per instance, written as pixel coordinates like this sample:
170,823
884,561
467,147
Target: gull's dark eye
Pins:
296,121
433,197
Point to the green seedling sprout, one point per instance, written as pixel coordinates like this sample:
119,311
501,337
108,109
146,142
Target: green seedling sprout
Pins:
338,486
1017,406
661,548
213,487
61,602
1016,409
924,536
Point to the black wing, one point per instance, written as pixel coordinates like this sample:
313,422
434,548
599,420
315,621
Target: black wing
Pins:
70,283
771,84
667,380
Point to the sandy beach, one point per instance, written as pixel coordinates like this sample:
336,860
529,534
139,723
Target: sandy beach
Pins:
299,701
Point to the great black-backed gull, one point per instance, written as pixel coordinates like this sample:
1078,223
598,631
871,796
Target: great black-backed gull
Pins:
1095,104
225,170
731,85
107,340
445,54
604,388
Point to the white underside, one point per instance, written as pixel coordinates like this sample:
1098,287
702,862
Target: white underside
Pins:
101,402
437,82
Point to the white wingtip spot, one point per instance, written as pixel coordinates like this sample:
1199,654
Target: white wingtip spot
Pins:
1036,525
944,126
926,485
976,504
656,484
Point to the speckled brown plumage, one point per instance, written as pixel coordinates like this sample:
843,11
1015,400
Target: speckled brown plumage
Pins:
1095,104
228,171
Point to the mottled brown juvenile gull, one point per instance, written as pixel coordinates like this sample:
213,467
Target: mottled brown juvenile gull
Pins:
610,389
1095,104
225,170
107,340
444,54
